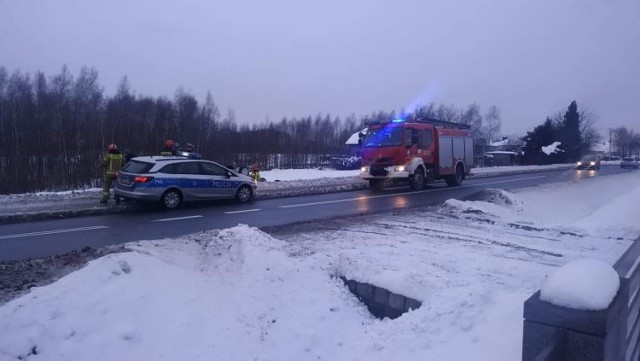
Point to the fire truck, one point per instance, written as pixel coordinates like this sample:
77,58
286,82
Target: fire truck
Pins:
416,151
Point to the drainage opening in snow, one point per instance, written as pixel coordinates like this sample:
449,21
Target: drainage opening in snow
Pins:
381,302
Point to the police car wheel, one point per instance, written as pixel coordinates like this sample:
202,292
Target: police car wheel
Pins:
244,194
171,199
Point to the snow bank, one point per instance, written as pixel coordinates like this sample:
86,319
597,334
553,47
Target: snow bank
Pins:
303,174
583,285
234,295
494,202
277,179
519,168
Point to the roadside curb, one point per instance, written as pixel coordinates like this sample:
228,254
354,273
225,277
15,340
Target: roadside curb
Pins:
46,216
267,194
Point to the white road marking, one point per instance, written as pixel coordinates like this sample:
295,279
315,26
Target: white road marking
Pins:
245,211
402,194
176,218
54,231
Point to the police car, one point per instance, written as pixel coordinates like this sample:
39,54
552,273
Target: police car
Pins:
173,180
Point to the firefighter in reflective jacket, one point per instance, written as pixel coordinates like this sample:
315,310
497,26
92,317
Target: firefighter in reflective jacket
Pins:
113,162
255,172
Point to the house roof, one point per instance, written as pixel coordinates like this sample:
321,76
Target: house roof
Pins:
353,139
602,147
499,143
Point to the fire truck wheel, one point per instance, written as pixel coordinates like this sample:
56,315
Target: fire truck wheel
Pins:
456,179
417,180
376,184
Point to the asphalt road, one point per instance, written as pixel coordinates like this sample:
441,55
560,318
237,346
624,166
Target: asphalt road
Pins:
46,238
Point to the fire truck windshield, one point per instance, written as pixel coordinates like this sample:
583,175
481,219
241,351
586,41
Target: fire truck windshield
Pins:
383,137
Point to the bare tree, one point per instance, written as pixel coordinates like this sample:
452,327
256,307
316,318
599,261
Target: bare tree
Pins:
448,113
472,116
625,141
590,135
492,123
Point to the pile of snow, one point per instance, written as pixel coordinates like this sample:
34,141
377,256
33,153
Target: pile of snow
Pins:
234,295
551,148
478,207
583,285
494,202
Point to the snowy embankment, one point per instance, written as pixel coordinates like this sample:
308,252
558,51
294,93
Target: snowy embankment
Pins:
241,294
279,183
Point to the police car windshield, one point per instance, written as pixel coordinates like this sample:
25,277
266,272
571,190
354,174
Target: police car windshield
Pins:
137,167
383,137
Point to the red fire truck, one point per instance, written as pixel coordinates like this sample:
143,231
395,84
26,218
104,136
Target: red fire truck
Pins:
416,151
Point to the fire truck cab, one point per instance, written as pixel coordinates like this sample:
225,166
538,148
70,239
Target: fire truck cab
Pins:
416,151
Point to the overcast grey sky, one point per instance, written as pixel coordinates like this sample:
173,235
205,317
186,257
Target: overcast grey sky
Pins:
291,57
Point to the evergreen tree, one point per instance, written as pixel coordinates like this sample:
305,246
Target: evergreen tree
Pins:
542,136
570,133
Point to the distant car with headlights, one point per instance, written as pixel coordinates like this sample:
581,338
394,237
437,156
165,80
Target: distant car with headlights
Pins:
629,162
172,180
589,162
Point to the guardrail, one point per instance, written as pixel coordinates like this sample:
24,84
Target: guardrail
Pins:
555,333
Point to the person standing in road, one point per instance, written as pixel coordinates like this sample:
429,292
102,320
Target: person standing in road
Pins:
113,162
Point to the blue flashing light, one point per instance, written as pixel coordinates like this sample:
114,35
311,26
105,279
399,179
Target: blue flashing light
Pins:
397,121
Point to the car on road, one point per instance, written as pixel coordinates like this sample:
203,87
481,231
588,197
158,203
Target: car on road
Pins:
629,162
172,180
589,162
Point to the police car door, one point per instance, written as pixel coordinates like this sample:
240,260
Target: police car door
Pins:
192,182
219,184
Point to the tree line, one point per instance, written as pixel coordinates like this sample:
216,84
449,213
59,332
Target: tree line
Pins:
54,130
624,141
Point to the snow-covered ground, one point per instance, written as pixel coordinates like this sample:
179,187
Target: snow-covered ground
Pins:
241,294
